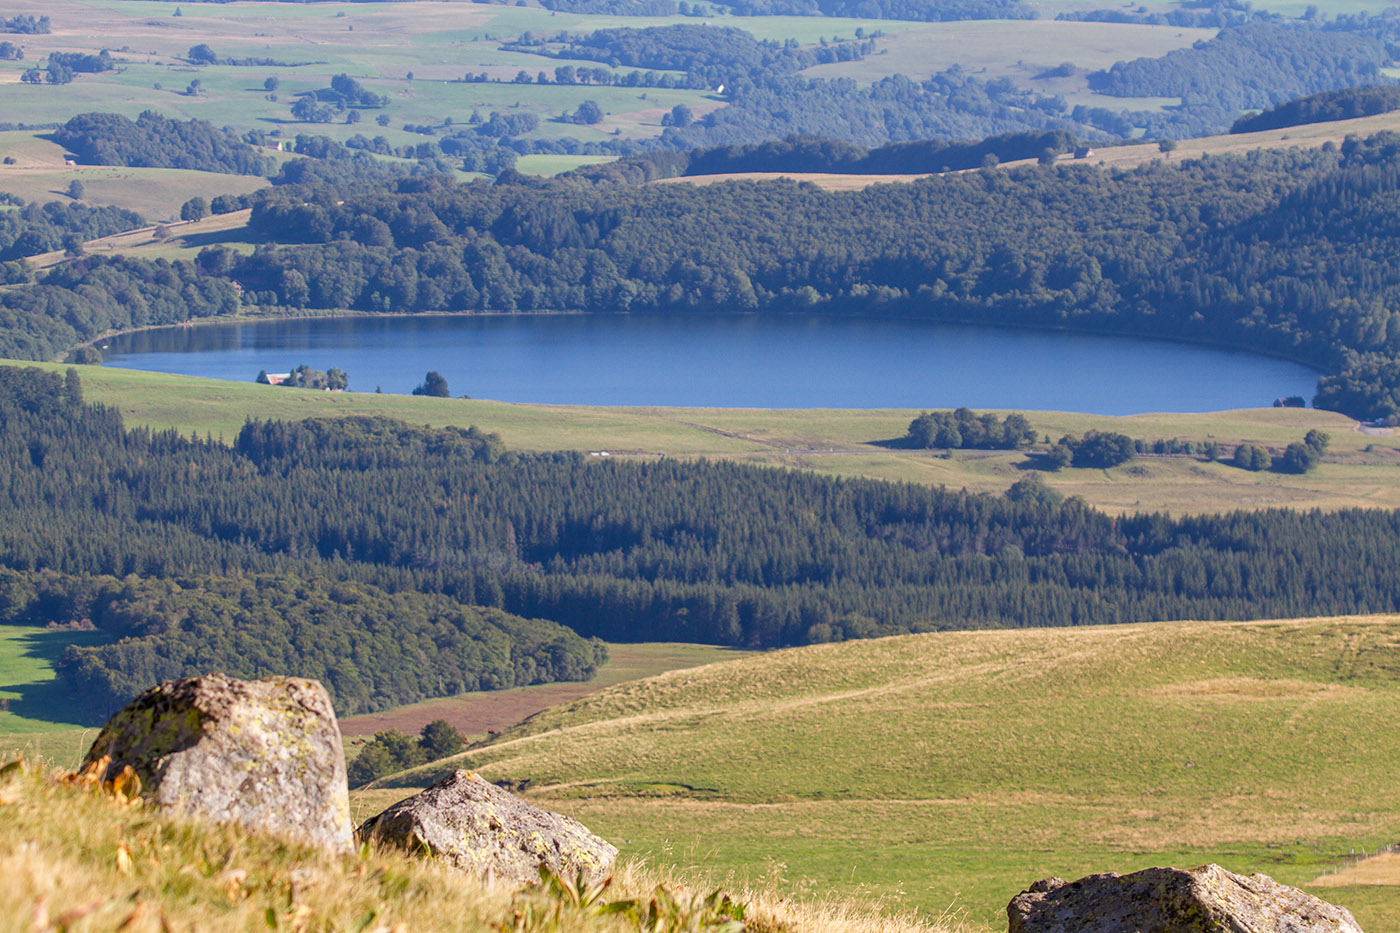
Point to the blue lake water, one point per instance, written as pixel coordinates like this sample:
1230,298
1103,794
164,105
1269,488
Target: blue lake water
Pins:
723,360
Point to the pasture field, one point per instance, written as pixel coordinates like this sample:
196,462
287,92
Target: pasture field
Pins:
39,174
75,854
40,721
1016,49
180,239
956,768
476,714
30,701
414,53
1125,156
1362,469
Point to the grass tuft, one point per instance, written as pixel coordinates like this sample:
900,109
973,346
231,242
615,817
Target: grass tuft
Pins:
80,854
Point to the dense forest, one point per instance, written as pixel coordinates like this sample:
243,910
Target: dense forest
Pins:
1277,251
372,649
814,154
41,228
382,533
919,10
1257,65
156,141
709,55
1329,106
1280,251
88,297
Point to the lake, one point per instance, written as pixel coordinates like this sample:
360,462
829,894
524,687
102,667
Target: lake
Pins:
732,360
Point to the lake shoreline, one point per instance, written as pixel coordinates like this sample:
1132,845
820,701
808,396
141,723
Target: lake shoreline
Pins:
778,359
303,314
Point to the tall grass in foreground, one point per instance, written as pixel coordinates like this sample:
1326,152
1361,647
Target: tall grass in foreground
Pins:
77,855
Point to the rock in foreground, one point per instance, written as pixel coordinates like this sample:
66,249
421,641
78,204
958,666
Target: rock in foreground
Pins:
263,753
474,826
1172,900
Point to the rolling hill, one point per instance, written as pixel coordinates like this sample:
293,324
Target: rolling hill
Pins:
956,768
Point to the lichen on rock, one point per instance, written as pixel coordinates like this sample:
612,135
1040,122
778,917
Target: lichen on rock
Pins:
1208,899
475,826
265,753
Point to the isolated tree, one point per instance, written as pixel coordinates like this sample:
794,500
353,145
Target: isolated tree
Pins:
382,119
201,54
588,113
58,73
1101,450
75,190
272,83
1297,458
195,208
1250,457
1033,490
440,739
72,387
1166,146
680,115
434,385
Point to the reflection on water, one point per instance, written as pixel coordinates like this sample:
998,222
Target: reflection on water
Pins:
730,360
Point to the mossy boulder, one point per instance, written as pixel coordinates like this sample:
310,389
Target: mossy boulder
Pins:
263,753
476,827
1208,899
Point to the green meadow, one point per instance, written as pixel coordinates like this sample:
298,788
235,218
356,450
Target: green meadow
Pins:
953,769
1362,469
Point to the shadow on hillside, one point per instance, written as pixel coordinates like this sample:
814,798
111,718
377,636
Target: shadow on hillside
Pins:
897,443
218,238
51,700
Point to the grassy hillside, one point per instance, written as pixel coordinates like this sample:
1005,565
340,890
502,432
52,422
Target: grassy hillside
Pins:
39,720
39,173
75,858
957,768
1128,155
1362,471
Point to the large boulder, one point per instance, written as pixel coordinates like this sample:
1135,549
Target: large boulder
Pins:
475,826
1173,900
263,753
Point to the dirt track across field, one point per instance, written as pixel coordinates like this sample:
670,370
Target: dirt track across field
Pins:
475,714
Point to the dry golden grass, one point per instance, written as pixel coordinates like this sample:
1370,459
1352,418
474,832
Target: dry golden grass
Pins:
1378,869
957,768
179,240
1015,49
76,857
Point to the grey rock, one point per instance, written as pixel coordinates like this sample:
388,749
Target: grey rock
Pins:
263,753
476,827
1208,899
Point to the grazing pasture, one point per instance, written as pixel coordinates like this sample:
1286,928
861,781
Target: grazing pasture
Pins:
1361,470
956,768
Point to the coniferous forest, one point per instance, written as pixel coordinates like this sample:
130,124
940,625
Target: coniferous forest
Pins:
399,563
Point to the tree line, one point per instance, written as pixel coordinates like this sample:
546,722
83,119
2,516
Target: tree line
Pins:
1329,106
352,549
1224,249
1281,251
